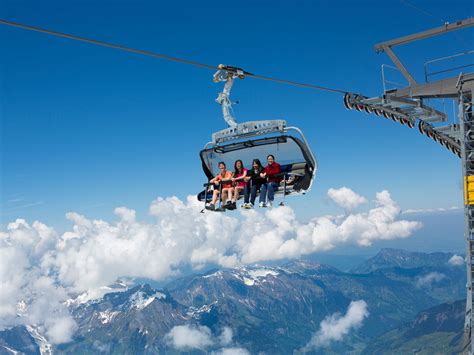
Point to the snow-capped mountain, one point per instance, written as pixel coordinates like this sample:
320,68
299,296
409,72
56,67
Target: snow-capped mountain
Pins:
272,310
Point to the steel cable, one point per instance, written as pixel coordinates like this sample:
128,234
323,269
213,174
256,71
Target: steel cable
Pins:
162,56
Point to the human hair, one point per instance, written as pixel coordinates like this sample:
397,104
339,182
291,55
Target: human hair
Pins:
271,155
257,161
237,172
221,162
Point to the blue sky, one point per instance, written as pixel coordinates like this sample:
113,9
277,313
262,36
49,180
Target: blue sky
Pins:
87,128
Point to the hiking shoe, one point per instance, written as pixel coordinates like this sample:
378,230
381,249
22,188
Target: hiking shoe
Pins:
211,207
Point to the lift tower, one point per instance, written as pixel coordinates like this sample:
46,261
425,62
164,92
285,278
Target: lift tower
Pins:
410,105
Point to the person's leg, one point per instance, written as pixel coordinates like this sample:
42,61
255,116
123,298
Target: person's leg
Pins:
253,194
272,187
237,190
247,193
226,195
215,194
263,193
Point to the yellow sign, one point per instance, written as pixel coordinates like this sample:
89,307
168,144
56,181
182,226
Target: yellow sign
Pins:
469,190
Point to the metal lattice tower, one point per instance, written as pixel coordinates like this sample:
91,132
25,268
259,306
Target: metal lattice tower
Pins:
467,129
410,106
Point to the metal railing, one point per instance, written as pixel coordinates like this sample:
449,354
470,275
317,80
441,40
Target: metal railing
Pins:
389,84
457,68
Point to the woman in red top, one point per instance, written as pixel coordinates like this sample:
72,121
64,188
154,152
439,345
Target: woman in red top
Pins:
224,178
239,180
272,174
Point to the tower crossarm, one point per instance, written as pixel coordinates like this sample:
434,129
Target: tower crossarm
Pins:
446,88
442,87
446,28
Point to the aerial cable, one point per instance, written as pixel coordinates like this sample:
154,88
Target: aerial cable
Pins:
162,56
423,11
443,21
105,44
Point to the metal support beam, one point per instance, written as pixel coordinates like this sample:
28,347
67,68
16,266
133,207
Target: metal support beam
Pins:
446,88
400,66
448,27
387,46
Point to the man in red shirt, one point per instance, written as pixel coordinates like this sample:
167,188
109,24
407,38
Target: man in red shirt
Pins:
272,175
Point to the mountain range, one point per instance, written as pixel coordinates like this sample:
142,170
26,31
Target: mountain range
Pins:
275,309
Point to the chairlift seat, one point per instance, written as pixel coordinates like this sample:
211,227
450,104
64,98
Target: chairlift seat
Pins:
290,151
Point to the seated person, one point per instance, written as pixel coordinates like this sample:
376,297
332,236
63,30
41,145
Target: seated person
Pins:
224,178
291,179
254,183
273,178
239,181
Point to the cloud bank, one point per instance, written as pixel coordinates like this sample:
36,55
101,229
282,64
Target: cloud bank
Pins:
29,293
186,337
346,198
432,210
429,279
335,327
456,260
40,269
190,337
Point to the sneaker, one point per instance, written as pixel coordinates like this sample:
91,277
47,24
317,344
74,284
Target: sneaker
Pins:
249,205
262,204
244,205
228,205
234,205
211,207
270,204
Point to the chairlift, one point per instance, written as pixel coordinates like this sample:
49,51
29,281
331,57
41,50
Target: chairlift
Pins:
256,140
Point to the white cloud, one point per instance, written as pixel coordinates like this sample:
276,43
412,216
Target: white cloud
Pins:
187,337
60,330
456,260
226,336
428,279
431,210
233,351
335,327
95,253
346,198
30,294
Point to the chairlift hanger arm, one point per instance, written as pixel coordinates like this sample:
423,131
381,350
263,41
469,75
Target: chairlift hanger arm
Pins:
228,74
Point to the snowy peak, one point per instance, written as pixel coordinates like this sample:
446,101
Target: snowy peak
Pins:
140,300
136,298
255,275
310,268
